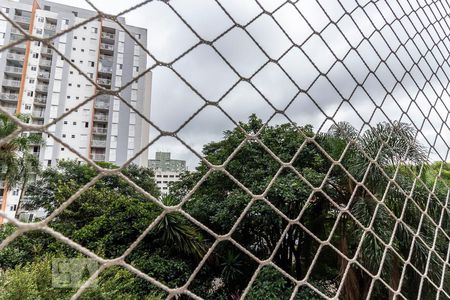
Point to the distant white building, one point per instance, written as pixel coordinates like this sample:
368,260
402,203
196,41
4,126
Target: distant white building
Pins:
166,170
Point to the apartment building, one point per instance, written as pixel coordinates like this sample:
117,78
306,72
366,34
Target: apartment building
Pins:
38,82
166,169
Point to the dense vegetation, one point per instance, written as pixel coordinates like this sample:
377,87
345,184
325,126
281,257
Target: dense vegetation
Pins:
342,215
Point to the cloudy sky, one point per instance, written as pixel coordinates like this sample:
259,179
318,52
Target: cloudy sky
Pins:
324,52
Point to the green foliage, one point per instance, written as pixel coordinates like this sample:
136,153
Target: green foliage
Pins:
110,215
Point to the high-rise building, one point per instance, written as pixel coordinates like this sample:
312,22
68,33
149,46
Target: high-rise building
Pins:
37,81
166,170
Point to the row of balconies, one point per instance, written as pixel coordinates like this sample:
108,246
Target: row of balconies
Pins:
15,97
22,19
11,83
9,96
15,56
14,70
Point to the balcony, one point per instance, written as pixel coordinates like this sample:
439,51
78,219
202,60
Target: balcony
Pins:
50,27
45,62
104,81
16,31
98,143
99,130
46,50
107,35
99,104
15,56
9,97
22,19
41,88
43,75
106,48
107,58
13,70
100,118
40,100
98,157
38,114
20,46
104,69
11,83
16,37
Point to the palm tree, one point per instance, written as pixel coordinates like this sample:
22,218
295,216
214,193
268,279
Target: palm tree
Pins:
392,144
174,229
17,162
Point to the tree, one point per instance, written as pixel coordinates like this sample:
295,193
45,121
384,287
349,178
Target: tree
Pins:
219,201
17,162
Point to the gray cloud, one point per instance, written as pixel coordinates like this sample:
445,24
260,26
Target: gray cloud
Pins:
173,101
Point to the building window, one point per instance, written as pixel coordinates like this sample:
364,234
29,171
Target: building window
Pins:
92,64
62,149
86,124
78,85
94,29
33,68
31,80
5,10
64,136
35,55
40,19
66,21
49,162
70,84
38,31
30,93
75,37
75,13
65,122
46,7
74,123
73,136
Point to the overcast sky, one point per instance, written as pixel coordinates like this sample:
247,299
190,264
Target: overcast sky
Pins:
173,101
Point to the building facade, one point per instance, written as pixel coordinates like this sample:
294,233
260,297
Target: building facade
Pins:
38,82
166,170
